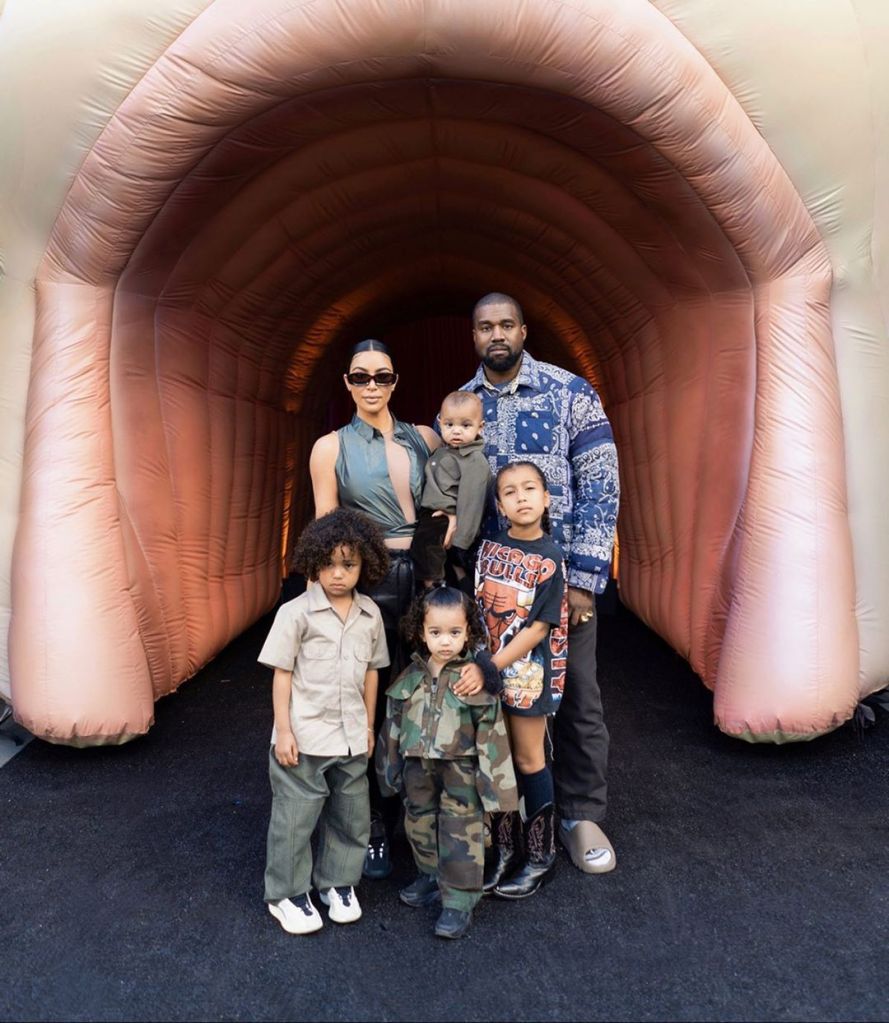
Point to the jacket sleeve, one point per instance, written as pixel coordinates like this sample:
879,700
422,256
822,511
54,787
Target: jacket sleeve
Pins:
472,494
440,487
593,458
491,677
495,779
388,760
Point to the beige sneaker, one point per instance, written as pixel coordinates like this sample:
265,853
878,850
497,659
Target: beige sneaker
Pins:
344,907
297,915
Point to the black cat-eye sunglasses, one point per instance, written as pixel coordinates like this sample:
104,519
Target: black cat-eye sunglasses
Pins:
385,378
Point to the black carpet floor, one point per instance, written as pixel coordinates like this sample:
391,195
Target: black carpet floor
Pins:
752,881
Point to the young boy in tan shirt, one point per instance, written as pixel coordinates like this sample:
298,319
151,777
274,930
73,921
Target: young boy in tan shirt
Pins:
325,647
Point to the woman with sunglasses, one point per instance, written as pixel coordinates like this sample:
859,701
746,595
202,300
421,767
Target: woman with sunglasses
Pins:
375,465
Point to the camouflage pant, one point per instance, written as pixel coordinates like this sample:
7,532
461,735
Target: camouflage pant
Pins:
443,822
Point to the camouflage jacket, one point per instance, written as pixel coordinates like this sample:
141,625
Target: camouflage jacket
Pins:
425,719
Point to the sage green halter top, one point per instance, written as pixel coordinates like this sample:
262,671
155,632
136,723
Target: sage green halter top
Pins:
362,473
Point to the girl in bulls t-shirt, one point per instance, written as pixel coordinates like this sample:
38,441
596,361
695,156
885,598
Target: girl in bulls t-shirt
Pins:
521,589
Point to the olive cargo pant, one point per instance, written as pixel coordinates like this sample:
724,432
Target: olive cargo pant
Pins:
333,789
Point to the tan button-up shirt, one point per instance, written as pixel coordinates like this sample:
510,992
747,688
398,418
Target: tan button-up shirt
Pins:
328,659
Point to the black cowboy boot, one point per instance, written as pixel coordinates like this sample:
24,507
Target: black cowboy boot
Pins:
506,848
540,856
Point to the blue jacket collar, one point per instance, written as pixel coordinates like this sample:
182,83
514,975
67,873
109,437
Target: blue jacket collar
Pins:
528,376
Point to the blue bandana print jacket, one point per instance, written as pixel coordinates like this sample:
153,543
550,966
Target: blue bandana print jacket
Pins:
550,417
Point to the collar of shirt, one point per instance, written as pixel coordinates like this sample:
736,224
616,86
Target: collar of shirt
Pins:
318,600
368,432
409,681
455,662
466,449
527,376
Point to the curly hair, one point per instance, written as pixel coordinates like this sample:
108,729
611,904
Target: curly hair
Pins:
545,522
342,528
442,596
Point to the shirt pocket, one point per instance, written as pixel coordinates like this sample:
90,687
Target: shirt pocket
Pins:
456,734
538,428
317,663
362,652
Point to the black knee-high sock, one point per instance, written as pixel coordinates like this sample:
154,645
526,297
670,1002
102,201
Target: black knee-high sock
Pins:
536,789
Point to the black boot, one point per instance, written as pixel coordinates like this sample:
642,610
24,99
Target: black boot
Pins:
540,853
506,848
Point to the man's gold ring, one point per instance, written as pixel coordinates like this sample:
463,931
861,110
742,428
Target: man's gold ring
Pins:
586,616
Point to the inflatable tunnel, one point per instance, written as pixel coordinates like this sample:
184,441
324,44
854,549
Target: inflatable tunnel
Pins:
205,201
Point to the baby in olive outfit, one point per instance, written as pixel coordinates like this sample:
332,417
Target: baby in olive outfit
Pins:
454,493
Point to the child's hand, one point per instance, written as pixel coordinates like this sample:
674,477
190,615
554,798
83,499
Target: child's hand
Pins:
370,742
286,752
452,528
470,682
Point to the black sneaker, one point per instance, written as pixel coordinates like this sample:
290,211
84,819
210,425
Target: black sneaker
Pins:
377,864
453,923
422,892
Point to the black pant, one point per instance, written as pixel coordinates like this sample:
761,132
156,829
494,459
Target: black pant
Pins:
432,561
392,596
427,546
580,738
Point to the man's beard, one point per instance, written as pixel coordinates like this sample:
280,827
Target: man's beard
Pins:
501,361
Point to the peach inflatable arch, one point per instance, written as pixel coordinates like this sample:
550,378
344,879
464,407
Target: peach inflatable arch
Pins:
238,188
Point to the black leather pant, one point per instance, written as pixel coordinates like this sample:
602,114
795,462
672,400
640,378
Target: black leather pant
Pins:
393,597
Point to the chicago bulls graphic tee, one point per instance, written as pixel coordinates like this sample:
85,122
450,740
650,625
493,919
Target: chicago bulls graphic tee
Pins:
518,582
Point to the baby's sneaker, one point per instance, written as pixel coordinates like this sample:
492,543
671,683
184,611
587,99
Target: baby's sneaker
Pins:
297,915
344,908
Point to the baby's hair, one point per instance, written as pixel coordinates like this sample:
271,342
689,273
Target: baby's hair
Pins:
545,522
369,345
342,528
463,398
442,596
498,298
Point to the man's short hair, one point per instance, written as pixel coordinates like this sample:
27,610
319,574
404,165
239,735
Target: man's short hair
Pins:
463,398
497,298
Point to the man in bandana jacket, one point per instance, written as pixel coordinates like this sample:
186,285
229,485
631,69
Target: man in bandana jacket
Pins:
540,413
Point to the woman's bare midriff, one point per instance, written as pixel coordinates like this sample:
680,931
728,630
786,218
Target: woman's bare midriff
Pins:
399,544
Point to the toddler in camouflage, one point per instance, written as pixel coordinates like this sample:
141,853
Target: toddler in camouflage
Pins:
448,754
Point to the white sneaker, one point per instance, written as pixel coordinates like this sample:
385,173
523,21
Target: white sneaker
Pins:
344,908
297,915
